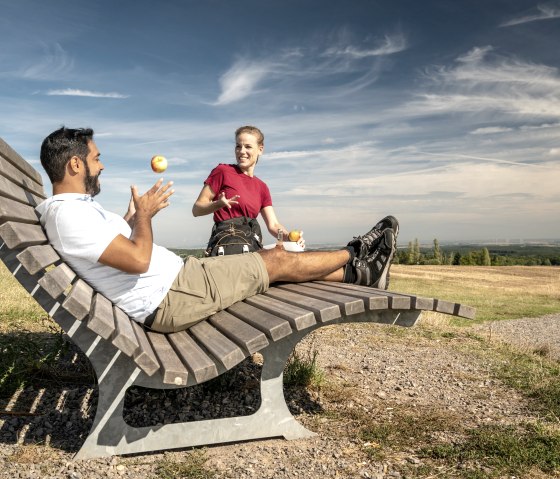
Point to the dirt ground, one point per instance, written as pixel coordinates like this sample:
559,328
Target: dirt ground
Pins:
374,375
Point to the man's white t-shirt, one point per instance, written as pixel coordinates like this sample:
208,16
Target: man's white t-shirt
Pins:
80,230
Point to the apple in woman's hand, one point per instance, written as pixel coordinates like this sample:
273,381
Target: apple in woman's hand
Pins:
294,235
159,163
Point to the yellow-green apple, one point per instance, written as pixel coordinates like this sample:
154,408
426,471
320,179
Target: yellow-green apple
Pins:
159,163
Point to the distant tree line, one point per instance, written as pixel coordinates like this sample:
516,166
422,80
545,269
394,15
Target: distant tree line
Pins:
456,255
436,255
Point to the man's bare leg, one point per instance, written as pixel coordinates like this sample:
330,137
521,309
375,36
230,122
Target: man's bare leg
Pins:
299,267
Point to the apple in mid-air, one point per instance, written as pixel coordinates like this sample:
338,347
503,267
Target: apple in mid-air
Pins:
159,163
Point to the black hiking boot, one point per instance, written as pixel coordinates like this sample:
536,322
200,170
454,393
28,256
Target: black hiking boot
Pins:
365,245
373,269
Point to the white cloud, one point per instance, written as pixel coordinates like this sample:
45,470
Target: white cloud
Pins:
292,70
86,93
55,64
545,12
241,80
481,81
389,45
490,130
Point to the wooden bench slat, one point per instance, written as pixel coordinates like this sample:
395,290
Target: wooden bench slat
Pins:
173,370
20,235
396,301
13,157
123,336
197,361
101,320
241,333
464,311
274,327
11,210
18,177
38,257
57,280
223,349
145,356
349,305
372,301
15,192
78,301
323,310
298,318
443,306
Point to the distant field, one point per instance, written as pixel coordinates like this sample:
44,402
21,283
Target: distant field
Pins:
498,292
503,292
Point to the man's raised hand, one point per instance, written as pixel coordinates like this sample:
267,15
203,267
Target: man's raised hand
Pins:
154,200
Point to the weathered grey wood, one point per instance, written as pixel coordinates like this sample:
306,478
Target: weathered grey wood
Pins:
348,304
13,157
10,190
20,235
372,301
443,306
58,280
173,370
37,258
274,327
145,356
464,311
20,178
199,364
298,318
223,349
396,301
241,333
123,336
323,310
101,320
78,301
11,210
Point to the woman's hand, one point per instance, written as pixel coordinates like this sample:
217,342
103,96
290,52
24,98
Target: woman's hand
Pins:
205,204
222,201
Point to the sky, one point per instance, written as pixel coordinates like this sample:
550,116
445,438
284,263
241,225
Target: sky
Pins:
445,114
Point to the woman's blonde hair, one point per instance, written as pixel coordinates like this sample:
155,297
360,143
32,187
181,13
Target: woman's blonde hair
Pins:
252,130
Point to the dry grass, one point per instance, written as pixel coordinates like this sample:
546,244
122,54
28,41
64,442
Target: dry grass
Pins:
498,292
18,310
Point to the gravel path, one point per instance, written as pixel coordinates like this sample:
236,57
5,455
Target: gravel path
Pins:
374,372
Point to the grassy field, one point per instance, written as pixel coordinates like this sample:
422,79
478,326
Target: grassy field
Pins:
498,292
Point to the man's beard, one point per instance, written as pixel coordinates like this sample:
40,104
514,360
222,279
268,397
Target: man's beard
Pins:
91,183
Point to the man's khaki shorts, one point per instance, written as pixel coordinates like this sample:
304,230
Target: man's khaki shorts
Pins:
205,286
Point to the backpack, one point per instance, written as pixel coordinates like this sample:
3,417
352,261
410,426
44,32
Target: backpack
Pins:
235,236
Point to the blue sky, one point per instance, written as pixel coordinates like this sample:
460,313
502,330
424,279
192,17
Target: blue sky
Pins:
445,114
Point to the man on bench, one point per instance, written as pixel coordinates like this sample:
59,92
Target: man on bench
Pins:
153,285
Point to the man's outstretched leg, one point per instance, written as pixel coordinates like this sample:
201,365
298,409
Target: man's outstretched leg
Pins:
205,286
300,267
366,260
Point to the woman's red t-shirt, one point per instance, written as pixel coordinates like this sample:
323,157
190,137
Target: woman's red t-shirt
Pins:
253,193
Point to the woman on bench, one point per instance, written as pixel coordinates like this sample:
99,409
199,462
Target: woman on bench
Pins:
235,197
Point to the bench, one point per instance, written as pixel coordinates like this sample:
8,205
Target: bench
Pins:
124,354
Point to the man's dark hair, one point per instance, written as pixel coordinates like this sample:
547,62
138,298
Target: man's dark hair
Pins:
60,146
